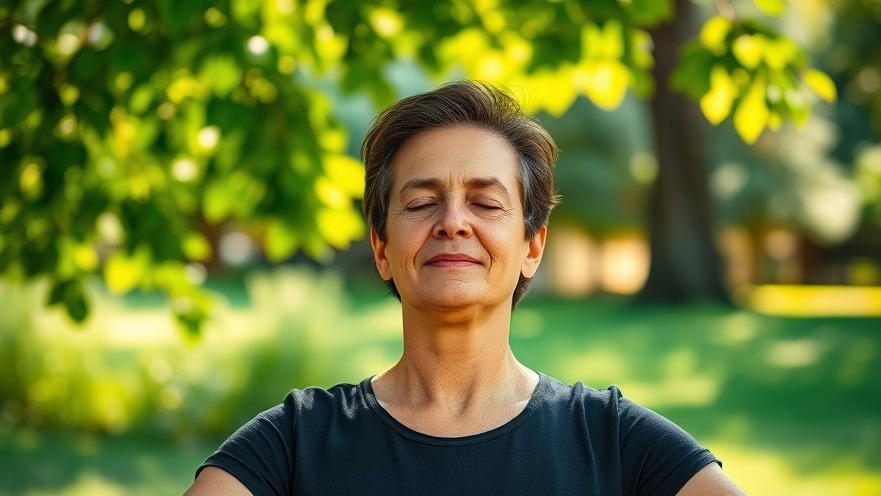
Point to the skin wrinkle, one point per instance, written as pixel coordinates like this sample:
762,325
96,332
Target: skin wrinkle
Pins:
419,398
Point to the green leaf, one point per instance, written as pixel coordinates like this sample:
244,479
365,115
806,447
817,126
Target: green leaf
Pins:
771,7
196,247
751,115
650,12
281,240
611,41
605,82
820,84
714,32
141,99
75,302
780,52
346,173
77,308
340,227
716,105
217,201
692,74
748,49
56,294
221,73
123,272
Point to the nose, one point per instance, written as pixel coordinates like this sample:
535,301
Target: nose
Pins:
453,222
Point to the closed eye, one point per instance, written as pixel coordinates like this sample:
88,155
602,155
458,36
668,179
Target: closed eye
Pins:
417,206
487,203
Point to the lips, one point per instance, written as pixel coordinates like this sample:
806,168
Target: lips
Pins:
452,260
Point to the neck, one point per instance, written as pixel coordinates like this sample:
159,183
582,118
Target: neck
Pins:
456,363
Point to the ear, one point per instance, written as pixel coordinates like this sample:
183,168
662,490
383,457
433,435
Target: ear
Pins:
379,258
536,247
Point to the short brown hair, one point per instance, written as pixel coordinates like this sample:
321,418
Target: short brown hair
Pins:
461,103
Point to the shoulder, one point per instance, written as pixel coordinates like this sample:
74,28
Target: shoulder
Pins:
632,423
278,423
609,405
581,399
653,454
316,398
314,401
261,454
601,414
315,410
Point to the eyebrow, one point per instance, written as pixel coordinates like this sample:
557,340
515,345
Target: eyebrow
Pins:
436,184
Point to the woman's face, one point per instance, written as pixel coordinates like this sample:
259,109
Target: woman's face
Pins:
455,231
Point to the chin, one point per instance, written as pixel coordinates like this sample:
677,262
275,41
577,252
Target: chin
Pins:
455,297
444,294
455,300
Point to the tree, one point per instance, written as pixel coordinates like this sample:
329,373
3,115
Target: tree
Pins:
133,128
685,263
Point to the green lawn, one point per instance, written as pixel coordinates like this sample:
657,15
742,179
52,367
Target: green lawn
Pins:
41,463
789,404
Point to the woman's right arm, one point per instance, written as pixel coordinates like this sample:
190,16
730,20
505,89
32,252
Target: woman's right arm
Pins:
213,481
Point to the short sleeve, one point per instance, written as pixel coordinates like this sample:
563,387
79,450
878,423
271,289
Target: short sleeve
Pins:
657,456
260,453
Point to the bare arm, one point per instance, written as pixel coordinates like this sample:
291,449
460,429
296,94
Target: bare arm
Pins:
710,480
213,481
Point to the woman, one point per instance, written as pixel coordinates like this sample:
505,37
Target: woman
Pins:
458,192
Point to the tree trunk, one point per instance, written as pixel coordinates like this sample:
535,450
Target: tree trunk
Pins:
685,264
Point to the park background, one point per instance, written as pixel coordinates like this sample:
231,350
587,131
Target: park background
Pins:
181,242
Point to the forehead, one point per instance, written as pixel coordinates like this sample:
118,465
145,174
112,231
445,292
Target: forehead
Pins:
457,154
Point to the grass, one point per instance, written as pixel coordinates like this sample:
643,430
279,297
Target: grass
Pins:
788,404
38,463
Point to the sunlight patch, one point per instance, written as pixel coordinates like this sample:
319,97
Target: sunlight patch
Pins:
762,473
89,484
806,301
795,353
600,366
738,328
685,391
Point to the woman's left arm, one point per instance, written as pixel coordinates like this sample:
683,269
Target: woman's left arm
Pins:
710,480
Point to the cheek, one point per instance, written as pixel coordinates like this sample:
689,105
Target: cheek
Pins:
513,231
507,243
402,248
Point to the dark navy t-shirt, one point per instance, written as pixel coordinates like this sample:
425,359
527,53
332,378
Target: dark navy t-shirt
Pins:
568,440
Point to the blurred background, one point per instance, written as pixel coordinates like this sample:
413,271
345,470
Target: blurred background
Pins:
181,240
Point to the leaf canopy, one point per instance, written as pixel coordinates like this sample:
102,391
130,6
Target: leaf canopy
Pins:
130,130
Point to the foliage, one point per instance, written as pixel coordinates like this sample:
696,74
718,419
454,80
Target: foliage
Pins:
133,132
132,127
743,69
